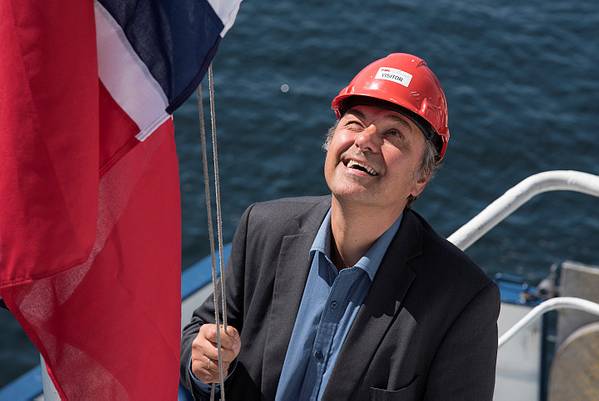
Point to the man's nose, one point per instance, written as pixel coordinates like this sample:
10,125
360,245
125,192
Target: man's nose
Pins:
368,139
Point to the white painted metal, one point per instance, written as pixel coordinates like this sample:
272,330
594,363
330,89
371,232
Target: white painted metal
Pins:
557,180
190,303
549,305
50,393
518,362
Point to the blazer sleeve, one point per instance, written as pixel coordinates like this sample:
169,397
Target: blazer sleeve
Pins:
464,366
234,288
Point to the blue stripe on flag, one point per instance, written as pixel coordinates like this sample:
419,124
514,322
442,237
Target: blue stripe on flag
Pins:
175,39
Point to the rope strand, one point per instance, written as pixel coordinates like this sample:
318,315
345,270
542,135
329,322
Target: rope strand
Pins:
219,219
212,245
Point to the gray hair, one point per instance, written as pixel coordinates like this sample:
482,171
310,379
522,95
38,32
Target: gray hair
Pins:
429,164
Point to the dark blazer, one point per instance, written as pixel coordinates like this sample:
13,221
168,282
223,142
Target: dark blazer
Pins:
426,331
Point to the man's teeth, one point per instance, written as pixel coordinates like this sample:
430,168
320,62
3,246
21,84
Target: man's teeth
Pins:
358,166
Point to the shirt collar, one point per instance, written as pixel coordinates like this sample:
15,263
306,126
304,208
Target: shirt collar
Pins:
371,260
322,241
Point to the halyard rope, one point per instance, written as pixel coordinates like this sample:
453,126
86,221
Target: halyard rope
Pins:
211,226
219,218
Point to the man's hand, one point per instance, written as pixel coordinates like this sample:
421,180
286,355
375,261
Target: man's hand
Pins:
204,353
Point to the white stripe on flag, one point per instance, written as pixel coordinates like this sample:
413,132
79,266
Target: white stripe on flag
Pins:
126,77
226,11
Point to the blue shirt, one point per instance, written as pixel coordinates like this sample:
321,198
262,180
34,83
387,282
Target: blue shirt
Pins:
329,305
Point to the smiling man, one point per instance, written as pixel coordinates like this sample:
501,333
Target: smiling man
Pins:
353,296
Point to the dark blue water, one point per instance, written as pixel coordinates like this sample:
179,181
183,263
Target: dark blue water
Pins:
522,82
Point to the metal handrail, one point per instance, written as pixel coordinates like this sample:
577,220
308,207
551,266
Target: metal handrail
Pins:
502,207
549,305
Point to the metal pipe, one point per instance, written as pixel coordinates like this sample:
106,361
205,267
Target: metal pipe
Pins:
549,305
502,207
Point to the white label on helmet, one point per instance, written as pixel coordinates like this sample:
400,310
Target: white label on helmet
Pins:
394,75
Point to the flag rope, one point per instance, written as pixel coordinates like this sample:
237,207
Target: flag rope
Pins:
208,200
219,218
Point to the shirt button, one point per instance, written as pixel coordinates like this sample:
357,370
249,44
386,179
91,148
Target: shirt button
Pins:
318,355
334,305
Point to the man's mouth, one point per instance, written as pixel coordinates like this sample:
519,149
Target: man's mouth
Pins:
362,167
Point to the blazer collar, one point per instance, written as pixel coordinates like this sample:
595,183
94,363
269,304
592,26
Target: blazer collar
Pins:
291,273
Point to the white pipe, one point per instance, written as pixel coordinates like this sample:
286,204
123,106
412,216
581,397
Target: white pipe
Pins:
549,305
557,180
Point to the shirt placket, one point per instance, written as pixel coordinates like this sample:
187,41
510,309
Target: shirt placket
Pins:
332,313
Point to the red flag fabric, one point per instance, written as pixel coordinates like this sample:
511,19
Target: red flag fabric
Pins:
89,213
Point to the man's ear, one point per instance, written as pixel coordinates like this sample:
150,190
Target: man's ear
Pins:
419,185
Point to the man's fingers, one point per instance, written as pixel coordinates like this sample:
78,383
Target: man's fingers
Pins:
229,339
206,348
211,365
204,352
207,371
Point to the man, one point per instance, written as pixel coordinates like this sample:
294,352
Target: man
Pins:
353,296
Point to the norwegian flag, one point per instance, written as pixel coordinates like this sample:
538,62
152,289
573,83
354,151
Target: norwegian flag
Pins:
89,188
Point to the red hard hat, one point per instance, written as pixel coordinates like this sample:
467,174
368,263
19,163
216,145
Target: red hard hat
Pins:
406,81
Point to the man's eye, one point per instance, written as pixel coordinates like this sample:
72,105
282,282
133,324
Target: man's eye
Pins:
353,124
395,133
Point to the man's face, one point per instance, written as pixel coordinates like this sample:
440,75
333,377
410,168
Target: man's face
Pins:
373,158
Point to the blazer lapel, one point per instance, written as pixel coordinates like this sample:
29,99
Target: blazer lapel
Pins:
380,308
290,279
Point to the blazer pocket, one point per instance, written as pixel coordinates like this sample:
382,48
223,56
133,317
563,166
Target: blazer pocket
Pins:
406,393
